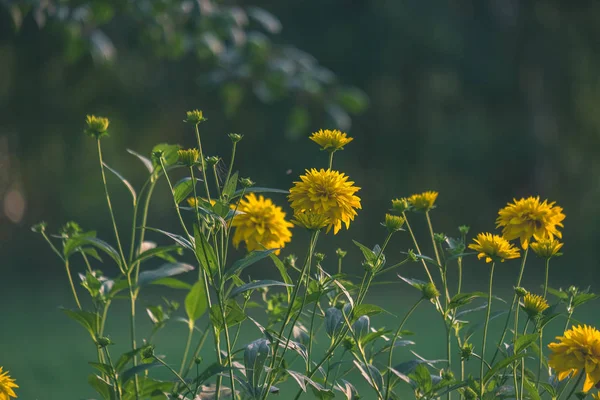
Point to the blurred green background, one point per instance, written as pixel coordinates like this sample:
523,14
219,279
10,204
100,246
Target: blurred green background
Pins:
482,101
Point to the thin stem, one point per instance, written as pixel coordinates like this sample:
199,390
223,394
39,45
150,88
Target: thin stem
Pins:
143,226
132,298
71,283
187,346
230,170
459,261
196,351
514,300
516,363
331,159
174,200
414,239
117,387
485,328
310,332
546,278
217,180
110,208
581,375
435,249
203,163
174,373
396,335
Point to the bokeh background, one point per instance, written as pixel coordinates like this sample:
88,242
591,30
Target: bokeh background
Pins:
482,101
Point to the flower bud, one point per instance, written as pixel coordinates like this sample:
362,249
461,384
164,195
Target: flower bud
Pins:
447,374
393,223
212,160
439,237
465,351
341,253
290,261
429,291
39,227
103,342
521,292
412,256
463,229
319,257
246,182
400,205
194,117
96,127
148,352
235,137
188,157
198,360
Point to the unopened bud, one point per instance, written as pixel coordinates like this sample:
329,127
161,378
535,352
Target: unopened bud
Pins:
40,227
464,229
194,117
212,160
393,223
148,352
235,137
319,257
103,342
96,127
246,182
188,157
429,291
400,205
521,291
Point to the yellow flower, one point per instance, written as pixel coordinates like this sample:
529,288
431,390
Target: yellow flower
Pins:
260,224
577,350
546,248
534,305
7,384
326,192
393,222
423,201
331,140
311,220
529,217
400,205
96,126
493,248
188,157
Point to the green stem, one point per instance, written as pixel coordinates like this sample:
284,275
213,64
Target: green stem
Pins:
459,261
71,283
217,180
331,159
174,373
174,200
187,346
310,333
144,220
414,239
396,335
581,375
230,170
485,328
116,386
203,163
514,300
197,351
516,363
132,298
546,278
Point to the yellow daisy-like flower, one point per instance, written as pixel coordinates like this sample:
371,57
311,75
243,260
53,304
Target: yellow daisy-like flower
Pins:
7,384
311,220
331,140
546,248
534,305
577,350
530,217
493,248
423,201
260,224
96,126
394,222
326,192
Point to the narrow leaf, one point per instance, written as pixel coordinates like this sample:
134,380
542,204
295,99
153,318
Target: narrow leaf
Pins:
147,163
255,285
125,182
252,258
164,271
195,301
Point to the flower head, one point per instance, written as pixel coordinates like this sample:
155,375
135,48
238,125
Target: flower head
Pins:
393,222
188,157
331,140
235,137
429,291
7,384
546,248
423,201
96,127
534,305
400,205
578,349
194,117
310,220
530,217
326,192
493,248
261,224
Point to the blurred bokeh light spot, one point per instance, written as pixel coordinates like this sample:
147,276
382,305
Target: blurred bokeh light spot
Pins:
14,205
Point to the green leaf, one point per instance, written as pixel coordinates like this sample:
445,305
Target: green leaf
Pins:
369,337
230,186
195,301
209,372
147,277
559,293
73,244
533,393
257,190
169,154
177,238
582,298
462,299
104,368
255,355
550,389
251,258
474,327
284,275
205,253
125,358
333,321
182,189
131,372
524,342
125,182
416,283
365,309
422,377
255,285
103,388
172,283
233,314
147,163
501,365
85,319
155,252
367,253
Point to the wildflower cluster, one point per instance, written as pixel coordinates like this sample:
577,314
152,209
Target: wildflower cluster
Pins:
316,325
